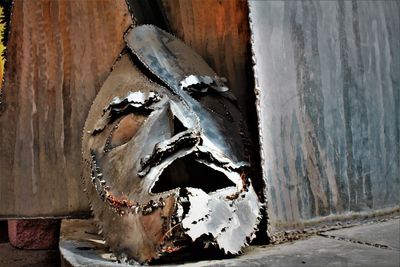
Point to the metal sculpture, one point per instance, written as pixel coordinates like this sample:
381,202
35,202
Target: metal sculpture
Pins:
165,156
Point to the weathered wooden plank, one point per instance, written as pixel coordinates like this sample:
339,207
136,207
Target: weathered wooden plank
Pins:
59,53
328,82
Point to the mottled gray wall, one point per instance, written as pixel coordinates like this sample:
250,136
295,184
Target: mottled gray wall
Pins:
328,82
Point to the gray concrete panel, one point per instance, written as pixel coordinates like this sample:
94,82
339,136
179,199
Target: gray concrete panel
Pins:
382,234
327,86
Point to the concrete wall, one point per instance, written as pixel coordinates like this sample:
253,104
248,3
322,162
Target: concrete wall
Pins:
327,86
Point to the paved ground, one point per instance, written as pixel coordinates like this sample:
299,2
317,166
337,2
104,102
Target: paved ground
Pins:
10,257
372,244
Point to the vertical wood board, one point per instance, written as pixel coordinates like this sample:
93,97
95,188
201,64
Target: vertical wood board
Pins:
59,54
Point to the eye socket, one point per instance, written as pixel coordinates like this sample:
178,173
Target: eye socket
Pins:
126,129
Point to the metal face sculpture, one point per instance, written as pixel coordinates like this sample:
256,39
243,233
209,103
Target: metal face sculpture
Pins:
165,161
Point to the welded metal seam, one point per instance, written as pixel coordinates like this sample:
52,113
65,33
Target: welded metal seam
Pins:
223,164
120,205
187,139
169,88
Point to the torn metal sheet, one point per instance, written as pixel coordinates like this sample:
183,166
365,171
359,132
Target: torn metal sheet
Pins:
203,83
167,168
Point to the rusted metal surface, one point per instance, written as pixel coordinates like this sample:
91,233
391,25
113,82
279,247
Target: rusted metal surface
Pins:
166,166
59,54
327,85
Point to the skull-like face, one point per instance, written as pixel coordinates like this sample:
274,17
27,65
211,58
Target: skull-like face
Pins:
166,161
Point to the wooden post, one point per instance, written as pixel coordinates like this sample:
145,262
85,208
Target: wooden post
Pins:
59,53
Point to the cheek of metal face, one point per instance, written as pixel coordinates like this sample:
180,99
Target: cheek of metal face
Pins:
165,168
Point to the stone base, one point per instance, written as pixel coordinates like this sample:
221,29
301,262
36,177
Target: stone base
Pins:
372,244
34,234
80,245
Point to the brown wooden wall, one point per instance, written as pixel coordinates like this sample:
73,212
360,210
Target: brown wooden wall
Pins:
59,53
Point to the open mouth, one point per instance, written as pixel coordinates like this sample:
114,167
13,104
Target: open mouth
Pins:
189,172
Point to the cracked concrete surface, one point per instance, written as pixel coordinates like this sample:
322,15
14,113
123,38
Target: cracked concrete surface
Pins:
370,244
371,234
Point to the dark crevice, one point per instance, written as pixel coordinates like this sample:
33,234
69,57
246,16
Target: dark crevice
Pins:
190,252
148,12
186,172
356,241
3,232
178,126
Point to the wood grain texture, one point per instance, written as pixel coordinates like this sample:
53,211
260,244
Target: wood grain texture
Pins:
328,76
59,54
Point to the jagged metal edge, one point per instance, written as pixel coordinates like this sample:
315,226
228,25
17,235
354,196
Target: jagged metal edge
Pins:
260,213
252,235
134,20
86,187
170,88
97,222
83,132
